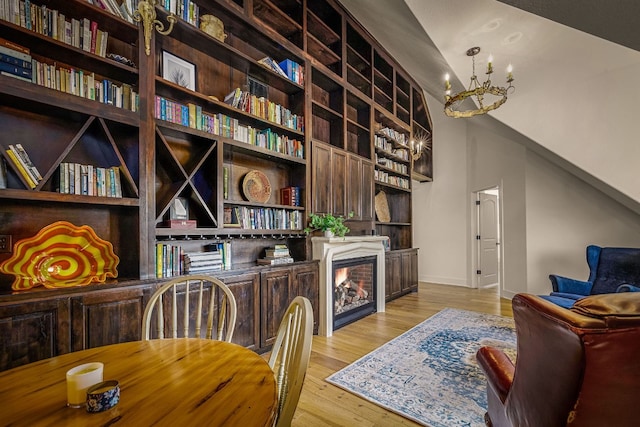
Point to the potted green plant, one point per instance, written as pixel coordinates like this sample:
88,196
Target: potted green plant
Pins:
331,225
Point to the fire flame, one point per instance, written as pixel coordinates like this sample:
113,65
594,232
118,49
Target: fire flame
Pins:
341,276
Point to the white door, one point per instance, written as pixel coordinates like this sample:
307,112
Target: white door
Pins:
488,256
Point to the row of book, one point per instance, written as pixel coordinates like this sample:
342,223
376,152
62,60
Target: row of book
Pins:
81,33
265,109
193,116
390,164
172,260
290,196
24,165
16,61
84,84
384,177
392,134
117,8
89,180
278,254
262,218
382,143
288,69
185,9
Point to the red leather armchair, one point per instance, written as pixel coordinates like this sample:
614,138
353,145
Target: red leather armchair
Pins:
576,367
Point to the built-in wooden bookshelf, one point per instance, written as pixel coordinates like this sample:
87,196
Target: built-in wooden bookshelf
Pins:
349,88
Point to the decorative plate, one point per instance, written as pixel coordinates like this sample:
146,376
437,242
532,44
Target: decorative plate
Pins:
61,255
256,187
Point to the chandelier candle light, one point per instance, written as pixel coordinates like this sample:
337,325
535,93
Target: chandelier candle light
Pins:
452,106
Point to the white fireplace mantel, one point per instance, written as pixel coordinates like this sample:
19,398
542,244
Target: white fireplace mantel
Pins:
328,249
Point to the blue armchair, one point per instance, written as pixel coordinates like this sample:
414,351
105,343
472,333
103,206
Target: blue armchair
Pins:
610,270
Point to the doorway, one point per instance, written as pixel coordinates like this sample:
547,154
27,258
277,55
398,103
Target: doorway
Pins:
486,246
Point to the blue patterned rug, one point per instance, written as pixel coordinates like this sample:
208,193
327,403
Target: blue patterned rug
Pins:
429,374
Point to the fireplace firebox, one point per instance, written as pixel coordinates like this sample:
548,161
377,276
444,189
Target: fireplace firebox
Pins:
354,289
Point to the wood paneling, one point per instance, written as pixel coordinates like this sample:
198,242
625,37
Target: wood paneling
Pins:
108,317
31,331
246,290
275,287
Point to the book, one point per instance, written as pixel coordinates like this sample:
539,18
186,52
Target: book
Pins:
15,54
276,253
15,61
22,155
3,173
225,187
15,70
180,223
273,65
14,46
21,169
275,261
24,79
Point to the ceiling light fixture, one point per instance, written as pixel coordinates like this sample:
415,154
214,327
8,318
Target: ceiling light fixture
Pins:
495,94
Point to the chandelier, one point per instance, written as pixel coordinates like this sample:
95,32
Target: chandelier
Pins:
487,97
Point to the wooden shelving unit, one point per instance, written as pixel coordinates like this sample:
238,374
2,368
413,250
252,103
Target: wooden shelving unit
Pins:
350,89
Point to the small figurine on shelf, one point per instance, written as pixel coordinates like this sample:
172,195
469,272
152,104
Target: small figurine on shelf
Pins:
329,224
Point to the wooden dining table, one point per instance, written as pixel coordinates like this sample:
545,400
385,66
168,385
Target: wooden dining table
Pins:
172,382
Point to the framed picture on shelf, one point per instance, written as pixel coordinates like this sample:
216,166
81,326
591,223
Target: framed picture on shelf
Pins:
179,209
178,71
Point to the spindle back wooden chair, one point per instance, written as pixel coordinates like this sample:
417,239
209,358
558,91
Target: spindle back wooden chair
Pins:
189,300
290,357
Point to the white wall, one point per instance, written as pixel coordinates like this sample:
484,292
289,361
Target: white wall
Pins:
548,215
563,217
440,209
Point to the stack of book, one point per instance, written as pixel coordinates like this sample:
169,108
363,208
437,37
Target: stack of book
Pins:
279,254
15,60
24,165
196,262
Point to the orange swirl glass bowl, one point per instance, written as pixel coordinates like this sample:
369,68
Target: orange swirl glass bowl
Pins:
61,255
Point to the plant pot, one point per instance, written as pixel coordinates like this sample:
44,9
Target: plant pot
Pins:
328,233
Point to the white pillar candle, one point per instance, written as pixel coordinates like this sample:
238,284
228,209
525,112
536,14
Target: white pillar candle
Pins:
79,379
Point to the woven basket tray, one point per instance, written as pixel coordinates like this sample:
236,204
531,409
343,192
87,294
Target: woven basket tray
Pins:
382,207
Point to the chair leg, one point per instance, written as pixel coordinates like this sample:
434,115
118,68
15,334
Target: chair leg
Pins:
487,420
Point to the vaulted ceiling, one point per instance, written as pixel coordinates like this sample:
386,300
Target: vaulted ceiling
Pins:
576,65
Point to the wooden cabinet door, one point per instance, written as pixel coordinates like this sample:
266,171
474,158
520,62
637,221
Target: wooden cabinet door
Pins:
339,182
32,331
354,189
321,178
414,270
106,317
306,284
367,190
275,288
246,290
392,275
405,273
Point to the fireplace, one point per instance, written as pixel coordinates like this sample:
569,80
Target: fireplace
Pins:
347,252
354,291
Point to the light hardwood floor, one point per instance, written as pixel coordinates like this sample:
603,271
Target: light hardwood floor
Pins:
323,404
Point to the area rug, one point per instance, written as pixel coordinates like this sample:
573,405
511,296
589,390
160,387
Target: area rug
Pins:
429,374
